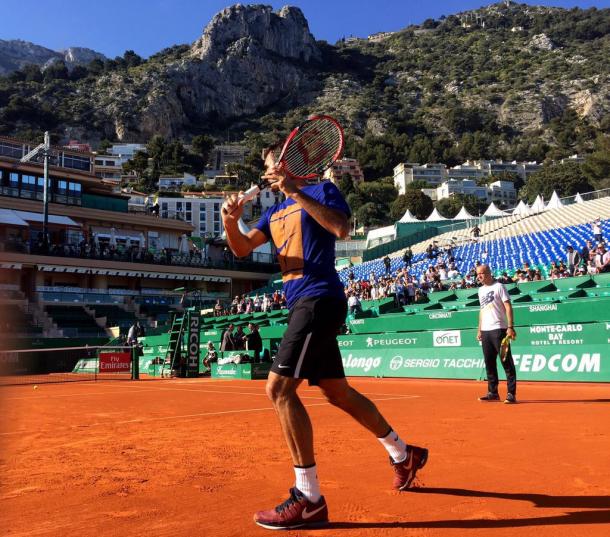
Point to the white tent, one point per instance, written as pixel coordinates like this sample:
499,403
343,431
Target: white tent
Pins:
492,210
522,208
408,217
554,202
463,214
435,216
538,205
578,198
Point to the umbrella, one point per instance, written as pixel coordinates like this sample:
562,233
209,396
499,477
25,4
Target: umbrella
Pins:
183,247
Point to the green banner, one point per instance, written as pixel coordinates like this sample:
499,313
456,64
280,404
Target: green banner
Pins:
240,371
563,352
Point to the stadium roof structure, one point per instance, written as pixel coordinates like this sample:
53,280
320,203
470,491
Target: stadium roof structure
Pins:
493,210
578,198
408,217
522,208
538,205
463,214
554,202
435,216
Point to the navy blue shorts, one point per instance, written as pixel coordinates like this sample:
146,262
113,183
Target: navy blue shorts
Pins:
309,348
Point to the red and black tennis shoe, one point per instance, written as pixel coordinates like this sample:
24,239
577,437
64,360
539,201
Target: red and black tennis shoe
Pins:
296,512
404,472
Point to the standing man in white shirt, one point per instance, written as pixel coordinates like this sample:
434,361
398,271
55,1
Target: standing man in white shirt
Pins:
495,323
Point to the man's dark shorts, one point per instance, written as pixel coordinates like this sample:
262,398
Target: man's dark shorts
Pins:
309,348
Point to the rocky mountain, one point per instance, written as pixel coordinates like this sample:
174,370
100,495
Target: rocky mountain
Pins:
508,80
16,54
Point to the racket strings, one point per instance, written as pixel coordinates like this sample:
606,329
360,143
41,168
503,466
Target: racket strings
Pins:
315,146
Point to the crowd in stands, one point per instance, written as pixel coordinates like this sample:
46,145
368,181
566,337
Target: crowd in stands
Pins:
251,304
442,274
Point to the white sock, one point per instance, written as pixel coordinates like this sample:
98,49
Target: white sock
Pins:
307,482
394,446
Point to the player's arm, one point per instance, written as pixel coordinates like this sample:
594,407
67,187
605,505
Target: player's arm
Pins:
241,244
332,220
510,332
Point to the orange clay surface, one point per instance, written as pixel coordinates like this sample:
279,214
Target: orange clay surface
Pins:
199,457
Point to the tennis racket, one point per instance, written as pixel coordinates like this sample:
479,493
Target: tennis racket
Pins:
504,347
309,150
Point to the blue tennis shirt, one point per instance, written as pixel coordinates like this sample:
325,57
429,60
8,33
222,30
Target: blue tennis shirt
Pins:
305,250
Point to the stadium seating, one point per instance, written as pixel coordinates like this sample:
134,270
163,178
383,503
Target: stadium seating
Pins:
74,321
508,251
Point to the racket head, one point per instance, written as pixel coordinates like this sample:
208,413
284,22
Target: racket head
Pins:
312,147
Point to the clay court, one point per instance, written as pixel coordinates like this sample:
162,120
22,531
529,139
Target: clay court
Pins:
198,457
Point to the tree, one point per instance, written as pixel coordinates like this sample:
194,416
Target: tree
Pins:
566,179
201,146
416,201
56,71
131,58
597,164
32,73
371,214
138,164
346,184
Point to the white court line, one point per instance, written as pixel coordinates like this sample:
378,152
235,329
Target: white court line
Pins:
183,416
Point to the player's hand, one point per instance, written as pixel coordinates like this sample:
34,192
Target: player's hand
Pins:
279,180
510,332
479,335
232,207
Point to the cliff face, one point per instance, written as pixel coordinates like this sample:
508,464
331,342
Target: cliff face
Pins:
248,58
511,71
15,54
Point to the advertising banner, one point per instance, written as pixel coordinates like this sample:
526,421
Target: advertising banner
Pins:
561,352
115,362
194,320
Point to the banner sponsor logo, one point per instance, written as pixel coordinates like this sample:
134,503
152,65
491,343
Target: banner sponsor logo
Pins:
357,321
564,363
115,362
366,363
557,334
447,338
542,307
396,363
390,341
193,342
345,342
444,315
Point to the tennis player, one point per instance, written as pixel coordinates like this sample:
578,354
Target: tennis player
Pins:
495,323
303,229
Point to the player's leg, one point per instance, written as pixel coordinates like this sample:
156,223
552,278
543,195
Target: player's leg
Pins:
491,348
511,375
406,459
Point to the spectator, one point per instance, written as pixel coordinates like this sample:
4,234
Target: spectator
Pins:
239,339
353,303
228,343
602,259
254,341
407,257
597,231
585,253
387,262
476,232
134,332
217,308
573,260
211,355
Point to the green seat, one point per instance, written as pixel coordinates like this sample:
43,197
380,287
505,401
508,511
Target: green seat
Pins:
442,296
541,286
577,282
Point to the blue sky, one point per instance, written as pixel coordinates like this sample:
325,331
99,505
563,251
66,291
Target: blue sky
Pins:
147,26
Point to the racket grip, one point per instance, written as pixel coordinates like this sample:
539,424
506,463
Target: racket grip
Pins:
251,193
